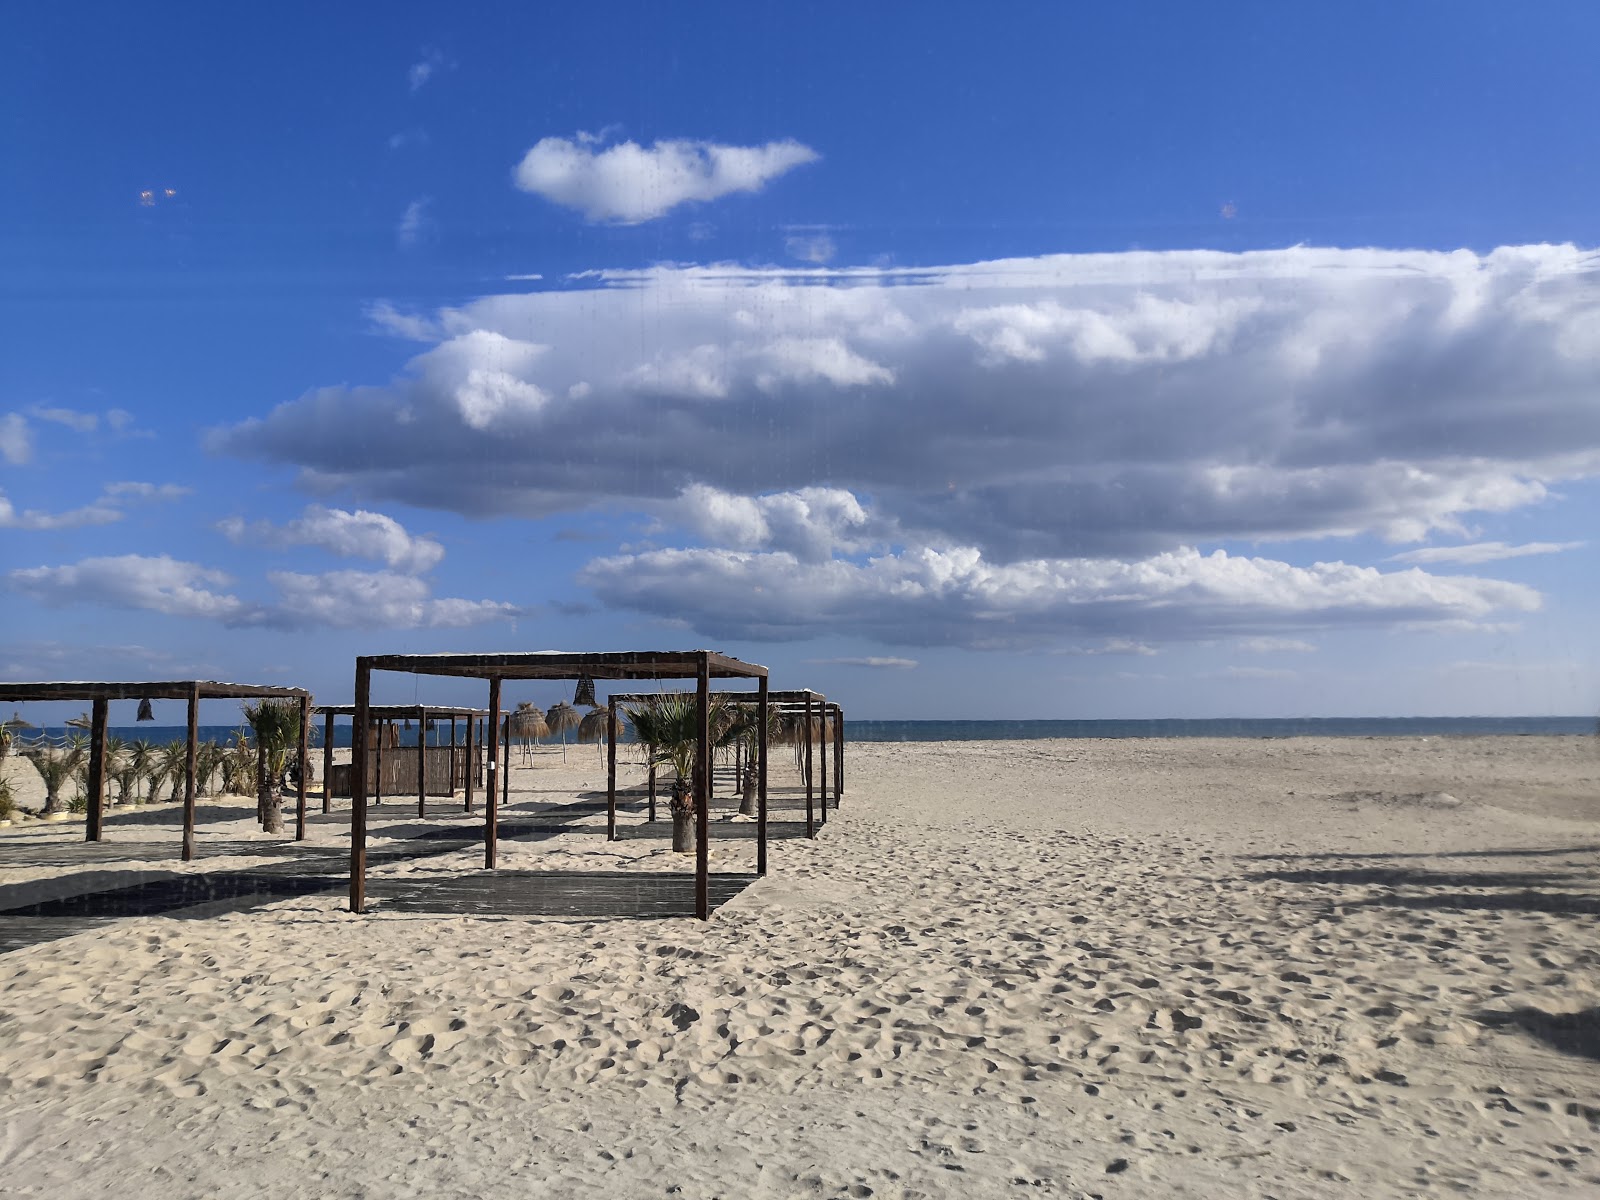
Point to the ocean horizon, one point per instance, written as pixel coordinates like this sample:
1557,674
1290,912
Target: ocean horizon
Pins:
1032,730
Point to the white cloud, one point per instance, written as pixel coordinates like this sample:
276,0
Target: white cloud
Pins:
812,523
375,599
1111,646
1274,645
102,511
16,440
1256,673
627,183
78,422
811,247
875,662
359,534
1482,552
954,597
388,319
425,68
413,223
160,584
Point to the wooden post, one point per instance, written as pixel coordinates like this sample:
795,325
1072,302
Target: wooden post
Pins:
94,820
761,776
652,793
452,755
327,761
422,761
190,768
838,755
490,810
822,755
377,784
702,784
472,758
611,770
505,777
358,789
805,767
304,762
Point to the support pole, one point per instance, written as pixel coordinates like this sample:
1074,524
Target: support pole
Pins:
805,767
304,762
611,769
191,753
94,830
452,756
838,755
491,809
822,757
652,793
702,785
422,762
761,776
327,762
359,734
472,758
377,784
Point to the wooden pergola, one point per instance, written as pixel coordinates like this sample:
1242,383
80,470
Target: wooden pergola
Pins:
190,690
386,713
700,665
801,701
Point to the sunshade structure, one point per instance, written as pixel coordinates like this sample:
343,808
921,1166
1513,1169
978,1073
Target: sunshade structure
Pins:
700,665
423,715
192,691
809,706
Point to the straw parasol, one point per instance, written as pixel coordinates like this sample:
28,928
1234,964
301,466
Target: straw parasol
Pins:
594,727
561,717
527,724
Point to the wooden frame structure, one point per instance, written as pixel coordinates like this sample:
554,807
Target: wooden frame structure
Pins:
701,665
422,714
190,690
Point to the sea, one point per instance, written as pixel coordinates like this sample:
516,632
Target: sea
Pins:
989,731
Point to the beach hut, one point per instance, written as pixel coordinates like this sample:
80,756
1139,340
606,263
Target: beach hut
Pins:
496,669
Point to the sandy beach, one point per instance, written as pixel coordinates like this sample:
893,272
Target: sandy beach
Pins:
1301,967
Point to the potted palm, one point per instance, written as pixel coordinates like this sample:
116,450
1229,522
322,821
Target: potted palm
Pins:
276,725
668,727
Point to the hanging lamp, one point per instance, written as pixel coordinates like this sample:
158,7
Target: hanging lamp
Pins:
145,712
585,693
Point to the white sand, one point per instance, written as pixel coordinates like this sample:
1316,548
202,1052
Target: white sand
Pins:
1136,968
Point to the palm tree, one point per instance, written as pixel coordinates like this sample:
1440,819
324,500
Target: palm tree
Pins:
174,758
141,754
747,734
668,726
55,765
238,761
207,758
276,725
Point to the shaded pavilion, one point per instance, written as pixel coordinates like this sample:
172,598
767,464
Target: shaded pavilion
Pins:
190,690
700,665
797,702
385,714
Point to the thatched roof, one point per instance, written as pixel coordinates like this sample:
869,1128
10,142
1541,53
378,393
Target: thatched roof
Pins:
561,717
528,722
594,725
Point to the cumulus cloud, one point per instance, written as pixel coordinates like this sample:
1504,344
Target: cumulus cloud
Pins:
1111,407
359,534
955,597
102,511
16,439
627,183
381,599
1482,552
875,662
160,584
339,599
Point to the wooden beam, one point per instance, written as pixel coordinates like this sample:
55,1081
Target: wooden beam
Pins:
702,785
761,777
358,789
190,764
94,824
491,813
611,770
303,763
327,763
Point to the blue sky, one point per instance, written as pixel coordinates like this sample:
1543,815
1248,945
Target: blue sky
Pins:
1176,361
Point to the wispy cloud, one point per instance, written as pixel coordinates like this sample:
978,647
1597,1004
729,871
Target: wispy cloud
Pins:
1274,645
16,439
424,69
876,662
108,507
811,248
78,422
414,222
1482,552
628,183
